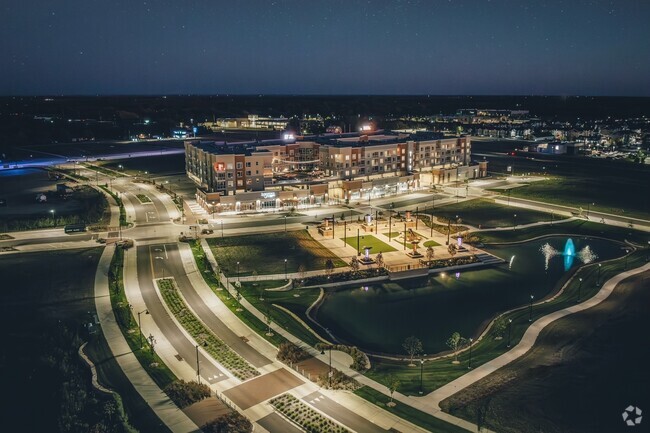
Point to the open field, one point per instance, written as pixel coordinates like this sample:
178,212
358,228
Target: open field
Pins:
155,166
574,227
23,211
265,253
583,372
617,187
487,214
45,299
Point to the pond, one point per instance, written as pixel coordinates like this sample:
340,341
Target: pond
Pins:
378,318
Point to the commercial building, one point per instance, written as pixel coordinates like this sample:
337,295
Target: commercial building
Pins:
316,170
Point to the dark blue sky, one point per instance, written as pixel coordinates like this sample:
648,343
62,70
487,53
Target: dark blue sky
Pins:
573,47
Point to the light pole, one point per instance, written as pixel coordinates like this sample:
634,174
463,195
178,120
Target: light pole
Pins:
237,271
329,374
52,211
145,311
390,224
358,250
404,236
198,367
509,330
469,366
579,288
285,223
221,228
514,222
627,254
421,374
530,309
600,265
285,270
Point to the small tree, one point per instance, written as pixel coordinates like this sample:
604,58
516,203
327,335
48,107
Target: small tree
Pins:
455,342
380,260
413,346
430,254
354,264
499,327
329,267
268,321
453,249
393,384
301,272
238,297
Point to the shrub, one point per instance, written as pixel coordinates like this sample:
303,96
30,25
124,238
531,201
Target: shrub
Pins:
290,353
231,422
186,393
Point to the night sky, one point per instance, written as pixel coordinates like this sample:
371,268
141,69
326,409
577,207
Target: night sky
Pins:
513,47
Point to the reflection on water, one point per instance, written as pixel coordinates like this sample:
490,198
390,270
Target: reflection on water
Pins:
585,255
379,317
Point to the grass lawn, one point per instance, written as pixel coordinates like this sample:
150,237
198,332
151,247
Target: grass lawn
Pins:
616,196
245,316
413,415
574,227
392,234
431,244
369,241
265,253
488,214
442,371
297,305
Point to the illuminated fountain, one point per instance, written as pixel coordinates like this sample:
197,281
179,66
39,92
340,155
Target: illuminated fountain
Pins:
585,255
549,252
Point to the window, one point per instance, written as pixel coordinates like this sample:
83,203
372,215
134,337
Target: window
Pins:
229,176
239,165
239,174
248,164
229,166
248,172
240,182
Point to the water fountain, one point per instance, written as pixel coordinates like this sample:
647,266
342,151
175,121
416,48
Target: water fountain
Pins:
585,255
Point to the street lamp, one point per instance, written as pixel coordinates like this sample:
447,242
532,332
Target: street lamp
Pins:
285,270
469,366
329,374
509,330
599,268
514,222
579,288
145,311
421,374
52,211
530,310
237,271
285,223
221,228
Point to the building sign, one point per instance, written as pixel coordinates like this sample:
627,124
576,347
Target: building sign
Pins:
267,195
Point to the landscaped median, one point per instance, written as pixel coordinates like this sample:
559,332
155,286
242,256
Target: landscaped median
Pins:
139,345
220,351
309,419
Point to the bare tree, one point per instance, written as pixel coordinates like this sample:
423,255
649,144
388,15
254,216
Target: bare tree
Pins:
413,346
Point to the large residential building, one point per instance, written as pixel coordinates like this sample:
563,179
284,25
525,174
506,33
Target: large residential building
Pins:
320,169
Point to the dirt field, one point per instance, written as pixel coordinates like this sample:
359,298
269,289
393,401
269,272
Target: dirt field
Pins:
583,372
